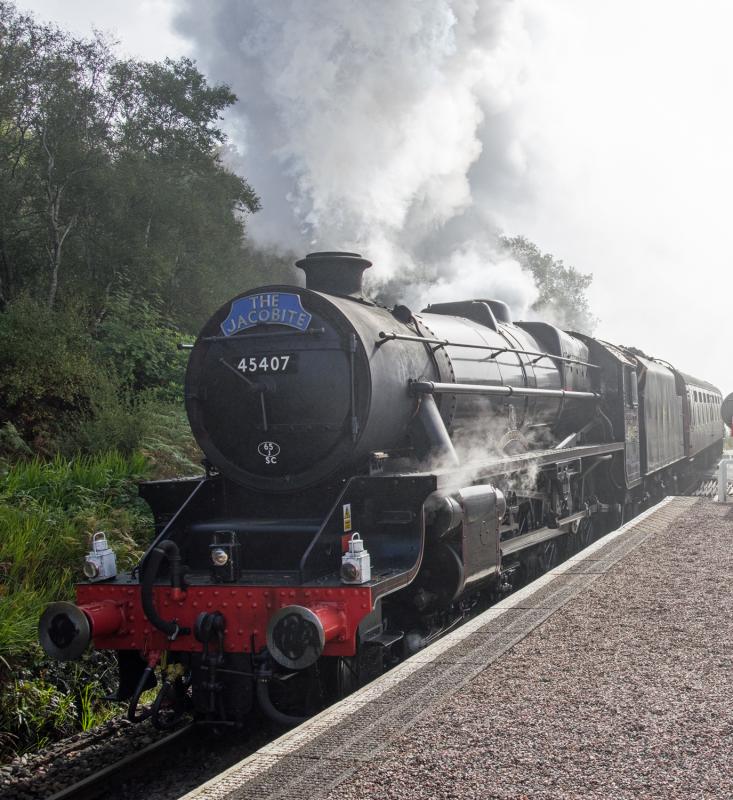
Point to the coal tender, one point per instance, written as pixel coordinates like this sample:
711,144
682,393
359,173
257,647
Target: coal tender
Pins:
373,477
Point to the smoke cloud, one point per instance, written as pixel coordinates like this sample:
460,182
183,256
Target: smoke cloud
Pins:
383,127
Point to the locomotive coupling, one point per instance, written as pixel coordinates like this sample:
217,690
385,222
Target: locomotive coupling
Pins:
296,635
65,630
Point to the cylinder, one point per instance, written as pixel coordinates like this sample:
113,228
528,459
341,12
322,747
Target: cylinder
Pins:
296,635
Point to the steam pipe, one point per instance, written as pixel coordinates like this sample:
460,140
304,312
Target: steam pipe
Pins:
147,681
435,431
165,549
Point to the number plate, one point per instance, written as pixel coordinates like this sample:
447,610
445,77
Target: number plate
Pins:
271,364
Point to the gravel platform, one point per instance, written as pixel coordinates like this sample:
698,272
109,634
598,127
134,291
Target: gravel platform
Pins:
625,693
611,677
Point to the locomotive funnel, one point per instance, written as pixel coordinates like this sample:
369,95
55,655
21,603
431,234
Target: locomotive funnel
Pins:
296,635
65,630
334,272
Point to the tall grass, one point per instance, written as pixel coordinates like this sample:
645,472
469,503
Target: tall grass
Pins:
72,482
48,511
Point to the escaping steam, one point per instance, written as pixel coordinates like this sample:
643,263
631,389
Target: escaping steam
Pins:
380,127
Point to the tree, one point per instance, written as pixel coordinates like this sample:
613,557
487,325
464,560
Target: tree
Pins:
561,289
112,177
54,131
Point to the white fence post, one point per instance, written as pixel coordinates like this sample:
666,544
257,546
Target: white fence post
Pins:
723,480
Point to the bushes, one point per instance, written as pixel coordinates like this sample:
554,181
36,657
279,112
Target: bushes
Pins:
141,346
116,418
47,370
62,388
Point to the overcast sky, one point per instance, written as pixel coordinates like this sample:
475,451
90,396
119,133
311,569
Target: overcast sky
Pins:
601,131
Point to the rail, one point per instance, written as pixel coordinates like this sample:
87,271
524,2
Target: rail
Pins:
97,784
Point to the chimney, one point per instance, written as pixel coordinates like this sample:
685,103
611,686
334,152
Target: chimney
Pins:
334,272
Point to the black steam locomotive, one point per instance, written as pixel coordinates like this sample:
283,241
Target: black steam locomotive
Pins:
373,476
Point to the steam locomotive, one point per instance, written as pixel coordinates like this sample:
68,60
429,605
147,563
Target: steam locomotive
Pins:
373,477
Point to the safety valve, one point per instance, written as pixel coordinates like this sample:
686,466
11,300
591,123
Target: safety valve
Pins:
355,563
100,562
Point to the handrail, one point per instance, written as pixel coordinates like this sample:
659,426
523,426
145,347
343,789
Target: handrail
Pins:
391,336
431,387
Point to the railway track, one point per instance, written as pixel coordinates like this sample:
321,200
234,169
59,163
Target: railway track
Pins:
126,762
97,784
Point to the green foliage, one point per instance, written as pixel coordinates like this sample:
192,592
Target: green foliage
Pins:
46,369
62,389
73,483
34,712
12,444
111,175
561,289
118,419
169,445
266,265
141,346
41,702
48,509
120,231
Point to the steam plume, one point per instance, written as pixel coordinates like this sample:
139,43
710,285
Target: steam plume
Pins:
382,127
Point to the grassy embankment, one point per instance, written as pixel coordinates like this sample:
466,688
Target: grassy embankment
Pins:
48,510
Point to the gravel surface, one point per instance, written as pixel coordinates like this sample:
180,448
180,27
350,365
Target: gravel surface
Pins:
68,761
168,774
197,760
626,692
